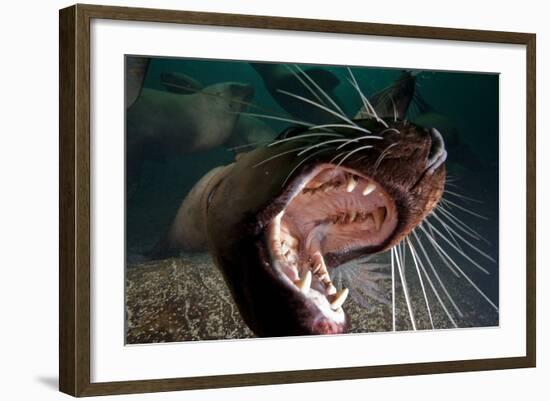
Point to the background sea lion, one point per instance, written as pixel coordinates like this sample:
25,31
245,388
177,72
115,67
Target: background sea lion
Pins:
162,124
136,69
402,100
177,82
395,100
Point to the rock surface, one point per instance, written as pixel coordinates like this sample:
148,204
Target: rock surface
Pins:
185,298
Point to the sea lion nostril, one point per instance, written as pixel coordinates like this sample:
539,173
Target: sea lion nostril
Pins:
438,154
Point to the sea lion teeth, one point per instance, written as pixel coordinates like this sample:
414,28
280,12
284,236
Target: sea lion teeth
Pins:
339,299
331,289
305,283
352,183
352,216
378,216
369,188
275,230
316,269
319,261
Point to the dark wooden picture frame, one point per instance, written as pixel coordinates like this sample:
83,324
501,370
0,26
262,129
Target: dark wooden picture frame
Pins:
74,204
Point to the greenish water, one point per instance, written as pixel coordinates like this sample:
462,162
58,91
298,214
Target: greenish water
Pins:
467,104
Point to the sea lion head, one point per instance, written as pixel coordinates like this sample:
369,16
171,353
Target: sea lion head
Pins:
285,214
217,109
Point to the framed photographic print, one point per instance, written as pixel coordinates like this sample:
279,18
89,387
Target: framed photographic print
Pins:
296,200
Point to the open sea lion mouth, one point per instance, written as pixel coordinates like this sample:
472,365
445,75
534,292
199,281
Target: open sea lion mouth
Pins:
334,212
329,212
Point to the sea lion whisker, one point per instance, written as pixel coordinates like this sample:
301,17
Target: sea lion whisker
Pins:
366,103
336,157
270,117
359,139
299,78
321,144
279,155
451,219
456,194
353,152
368,106
341,116
447,201
383,154
438,278
361,158
405,288
340,126
302,162
475,248
443,259
402,254
446,228
392,263
430,238
293,138
415,261
394,111
434,231
320,89
247,145
466,229
369,110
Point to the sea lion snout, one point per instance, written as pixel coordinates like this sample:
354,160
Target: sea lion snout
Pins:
241,91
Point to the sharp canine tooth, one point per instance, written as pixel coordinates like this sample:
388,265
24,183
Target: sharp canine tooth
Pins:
331,290
319,263
351,184
316,269
339,299
378,216
369,188
305,283
352,216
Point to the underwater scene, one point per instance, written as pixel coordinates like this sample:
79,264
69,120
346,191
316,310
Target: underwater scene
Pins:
273,199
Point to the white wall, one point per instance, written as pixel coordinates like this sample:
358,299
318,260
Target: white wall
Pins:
28,197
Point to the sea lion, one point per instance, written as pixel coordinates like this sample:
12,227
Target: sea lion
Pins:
136,69
395,100
279,218
162,124
308,83
248,130
177,82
